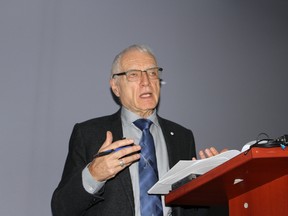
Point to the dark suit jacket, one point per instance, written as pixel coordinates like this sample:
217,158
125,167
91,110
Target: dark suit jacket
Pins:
116,197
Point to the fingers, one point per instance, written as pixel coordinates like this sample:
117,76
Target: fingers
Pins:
117,145
127,161
126,151
213,151
106,167
201,154
209,152
224,150
122,155
108,141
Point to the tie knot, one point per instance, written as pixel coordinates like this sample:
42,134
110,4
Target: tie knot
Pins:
143,124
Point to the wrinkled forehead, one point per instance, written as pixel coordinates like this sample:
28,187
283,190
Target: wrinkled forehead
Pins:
135,59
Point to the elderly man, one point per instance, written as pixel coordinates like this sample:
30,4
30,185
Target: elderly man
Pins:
106,174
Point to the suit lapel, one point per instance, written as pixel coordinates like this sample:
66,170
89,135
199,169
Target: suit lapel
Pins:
169,137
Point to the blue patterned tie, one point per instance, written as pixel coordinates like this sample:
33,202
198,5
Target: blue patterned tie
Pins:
150,205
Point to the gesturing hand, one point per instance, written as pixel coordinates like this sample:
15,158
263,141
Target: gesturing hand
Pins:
106,167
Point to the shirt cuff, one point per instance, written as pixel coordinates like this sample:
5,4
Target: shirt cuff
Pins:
91,185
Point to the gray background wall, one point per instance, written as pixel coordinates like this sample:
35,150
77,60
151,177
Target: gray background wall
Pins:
225,66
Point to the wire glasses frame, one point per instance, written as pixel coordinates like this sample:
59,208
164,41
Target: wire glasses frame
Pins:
135,75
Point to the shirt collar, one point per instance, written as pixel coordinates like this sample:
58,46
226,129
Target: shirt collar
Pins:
129,117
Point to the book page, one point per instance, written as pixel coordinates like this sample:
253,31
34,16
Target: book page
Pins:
186,167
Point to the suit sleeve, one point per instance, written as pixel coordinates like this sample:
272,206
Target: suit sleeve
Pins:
70,197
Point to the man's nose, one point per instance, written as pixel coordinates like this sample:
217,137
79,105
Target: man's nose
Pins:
144,78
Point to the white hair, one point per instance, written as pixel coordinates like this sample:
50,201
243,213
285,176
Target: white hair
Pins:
116,63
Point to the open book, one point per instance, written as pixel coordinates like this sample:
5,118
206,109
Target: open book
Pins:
184,168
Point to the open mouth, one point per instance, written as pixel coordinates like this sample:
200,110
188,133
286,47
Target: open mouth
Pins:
145,95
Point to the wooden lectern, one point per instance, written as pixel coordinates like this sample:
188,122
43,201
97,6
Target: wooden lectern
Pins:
255,183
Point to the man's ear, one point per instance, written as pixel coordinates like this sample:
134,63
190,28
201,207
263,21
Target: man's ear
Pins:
114,87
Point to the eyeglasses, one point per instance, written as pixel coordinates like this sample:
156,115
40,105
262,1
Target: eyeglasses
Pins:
135,75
